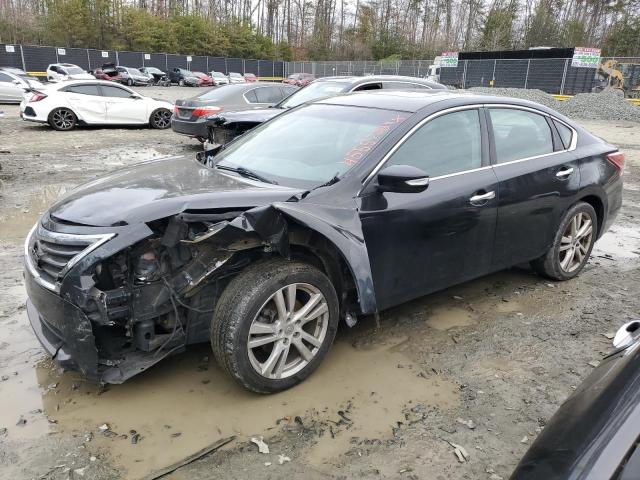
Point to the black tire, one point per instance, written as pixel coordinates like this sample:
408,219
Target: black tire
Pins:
160,119
130,82
62,119
239,305
549,265
181,83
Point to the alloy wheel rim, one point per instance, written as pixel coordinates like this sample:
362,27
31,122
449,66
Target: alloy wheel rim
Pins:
575,243
63,119
162,118
288,331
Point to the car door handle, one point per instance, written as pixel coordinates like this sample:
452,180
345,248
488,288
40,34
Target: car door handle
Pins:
565,172
484,197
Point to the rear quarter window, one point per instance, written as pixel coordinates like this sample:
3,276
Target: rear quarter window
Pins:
566,134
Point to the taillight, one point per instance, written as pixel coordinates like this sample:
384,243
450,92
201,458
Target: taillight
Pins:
617,160
206,111
175,109
37,96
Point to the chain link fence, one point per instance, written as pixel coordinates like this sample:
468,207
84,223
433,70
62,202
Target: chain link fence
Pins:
36,59
552,75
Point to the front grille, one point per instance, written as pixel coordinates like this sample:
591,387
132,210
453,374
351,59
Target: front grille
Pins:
50,254
222,136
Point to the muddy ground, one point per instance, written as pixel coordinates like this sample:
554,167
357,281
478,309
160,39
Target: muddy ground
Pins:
483,365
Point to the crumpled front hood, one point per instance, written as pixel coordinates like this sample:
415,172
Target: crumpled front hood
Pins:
160,188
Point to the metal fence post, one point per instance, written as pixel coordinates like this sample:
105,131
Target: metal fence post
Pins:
117,59
24,67
493,75
207,57
166,63
464,74
564,75
88,59
526,77
56,50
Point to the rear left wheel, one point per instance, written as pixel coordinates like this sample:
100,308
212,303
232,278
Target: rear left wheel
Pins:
273,324
62,119
160,119
572,244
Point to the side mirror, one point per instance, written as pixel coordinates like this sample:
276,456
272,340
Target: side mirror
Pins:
402,179
17,82
627,334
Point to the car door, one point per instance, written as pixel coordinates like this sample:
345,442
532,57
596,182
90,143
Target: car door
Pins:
10,91
123,105
422,242
538,180
87,102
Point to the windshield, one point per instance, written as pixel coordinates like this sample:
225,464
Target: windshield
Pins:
232,74
311,145
153,70
218,74
74,70
313,91
134,71
186,73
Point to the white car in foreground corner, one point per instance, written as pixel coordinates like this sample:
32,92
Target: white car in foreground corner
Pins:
97,102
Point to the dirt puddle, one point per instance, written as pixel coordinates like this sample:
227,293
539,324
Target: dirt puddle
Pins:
17,222
620,244
186,403
446,317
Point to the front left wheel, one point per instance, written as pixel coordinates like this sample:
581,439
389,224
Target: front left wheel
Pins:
160,118
273,324
62,119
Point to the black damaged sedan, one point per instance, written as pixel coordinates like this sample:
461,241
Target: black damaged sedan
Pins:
333,210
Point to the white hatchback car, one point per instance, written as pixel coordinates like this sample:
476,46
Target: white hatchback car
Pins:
57,72
97,102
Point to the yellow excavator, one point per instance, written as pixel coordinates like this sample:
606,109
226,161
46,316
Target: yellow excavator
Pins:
621,75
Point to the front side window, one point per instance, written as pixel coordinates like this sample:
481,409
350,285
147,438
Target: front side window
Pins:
519,134
312,145
450,143
109,91
5,78
74,70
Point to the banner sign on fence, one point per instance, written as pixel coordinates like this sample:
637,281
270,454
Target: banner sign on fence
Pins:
10,48
585,57
189,58
147,56
62,51
449,59
105,54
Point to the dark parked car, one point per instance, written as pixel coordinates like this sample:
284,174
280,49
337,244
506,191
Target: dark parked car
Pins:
336,209
224,128
595,434
299,79
157,76
189,117
183,77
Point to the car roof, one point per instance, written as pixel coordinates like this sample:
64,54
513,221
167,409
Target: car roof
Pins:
375,78
84,82
415,100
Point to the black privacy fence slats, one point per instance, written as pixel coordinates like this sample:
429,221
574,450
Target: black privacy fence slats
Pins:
36,59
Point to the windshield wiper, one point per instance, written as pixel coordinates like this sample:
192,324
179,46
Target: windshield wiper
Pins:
245,172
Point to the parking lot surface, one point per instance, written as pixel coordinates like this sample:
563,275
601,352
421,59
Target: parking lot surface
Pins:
483,365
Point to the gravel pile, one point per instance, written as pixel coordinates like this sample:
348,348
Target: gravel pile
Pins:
606,105
609,104
532,95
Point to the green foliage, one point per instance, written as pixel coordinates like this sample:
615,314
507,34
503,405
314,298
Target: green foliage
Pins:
623,39
497,33
543,27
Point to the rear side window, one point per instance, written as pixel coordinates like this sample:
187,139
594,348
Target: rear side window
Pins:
251,96
519,134
368,86
565,134
5,78
447,144
84,89
268,94
109,91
